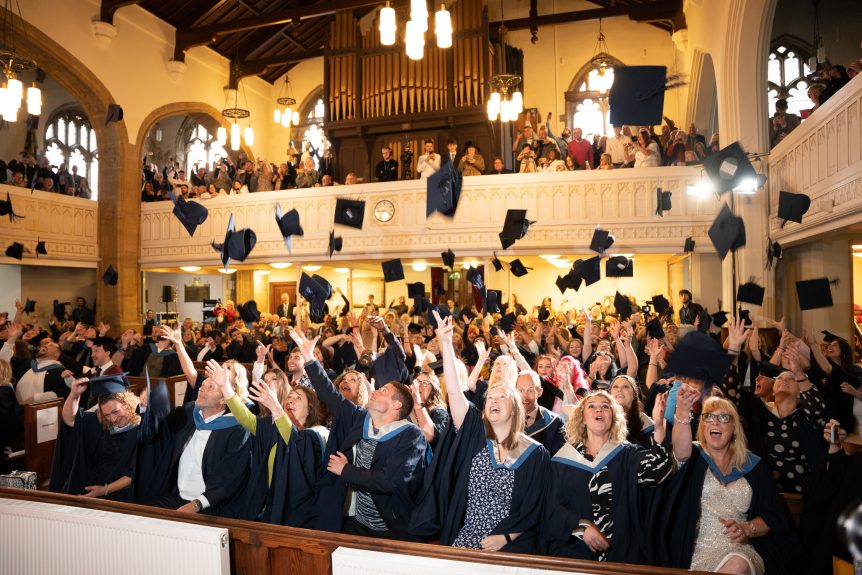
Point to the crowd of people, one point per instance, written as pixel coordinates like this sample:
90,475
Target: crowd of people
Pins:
36,172
618,432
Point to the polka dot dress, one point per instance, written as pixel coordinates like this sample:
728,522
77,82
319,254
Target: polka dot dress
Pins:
788,463
489,499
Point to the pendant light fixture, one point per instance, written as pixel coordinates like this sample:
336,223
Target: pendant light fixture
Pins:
415,28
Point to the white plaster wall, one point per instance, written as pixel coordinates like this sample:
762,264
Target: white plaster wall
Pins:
10,288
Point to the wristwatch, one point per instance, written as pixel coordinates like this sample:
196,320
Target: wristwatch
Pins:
198,505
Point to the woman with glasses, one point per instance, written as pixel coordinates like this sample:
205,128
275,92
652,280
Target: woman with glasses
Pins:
723,512
429,409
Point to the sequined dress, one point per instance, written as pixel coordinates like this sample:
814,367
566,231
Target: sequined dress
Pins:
712,547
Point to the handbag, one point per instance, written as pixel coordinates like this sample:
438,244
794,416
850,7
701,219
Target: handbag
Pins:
19,480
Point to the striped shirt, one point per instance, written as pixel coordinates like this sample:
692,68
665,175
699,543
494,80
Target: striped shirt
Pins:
366,513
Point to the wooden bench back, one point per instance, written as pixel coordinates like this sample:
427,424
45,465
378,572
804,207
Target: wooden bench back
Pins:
42,421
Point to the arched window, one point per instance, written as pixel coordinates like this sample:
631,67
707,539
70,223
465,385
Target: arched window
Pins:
202,148
587,98
787,72
71,141
311,125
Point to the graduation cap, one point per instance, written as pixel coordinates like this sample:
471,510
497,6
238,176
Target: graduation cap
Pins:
316,290
389,367
518,269
448,258
773,253
474,276
750,292
110,277
443,190
769,369
190,214
248,312
727,232
60,310
704,321
662,199
728,168
416,289
6,209
791,207
589,270
623,306
637,95
108,384
619,267
601,241
569,281
660,304
237,244
719,318
814,294
393,270
654,328
498,265
29,306
492,300
288,225
744,315
15,250
689,245
514,228
114,113
439,289
829,337
507,322
335,243
350,212
41,249
544,314
442,309
699,356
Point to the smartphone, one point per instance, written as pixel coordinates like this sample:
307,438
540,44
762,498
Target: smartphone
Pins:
832,439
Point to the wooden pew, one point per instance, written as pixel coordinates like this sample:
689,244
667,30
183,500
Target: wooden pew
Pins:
265,549
41,427
176,386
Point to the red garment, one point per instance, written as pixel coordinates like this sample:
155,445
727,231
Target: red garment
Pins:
581,153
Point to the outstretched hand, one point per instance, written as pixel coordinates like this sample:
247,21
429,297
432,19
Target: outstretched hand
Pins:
305,346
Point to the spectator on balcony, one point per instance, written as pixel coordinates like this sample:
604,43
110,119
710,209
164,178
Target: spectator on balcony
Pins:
782,123
18,180
693,137
179,181
351,179
327,163
570,163
263,175
428,163
714,146
48,186
499,167
386,169
676,152
616,147
326,181
580,150
81,313
599,142
853,68
472,163
606,162
82,185
689,311
552,163
526,160
452,154
562,141
646,152
545,144
308,176
148,194
524,138
199,177
238,188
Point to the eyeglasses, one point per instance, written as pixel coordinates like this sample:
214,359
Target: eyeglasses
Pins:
720,417
425,382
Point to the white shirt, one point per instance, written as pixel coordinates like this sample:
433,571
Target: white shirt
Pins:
104,368
644,161
427,167
190,476
616,147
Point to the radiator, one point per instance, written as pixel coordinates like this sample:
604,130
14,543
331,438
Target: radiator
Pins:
39,538
346,561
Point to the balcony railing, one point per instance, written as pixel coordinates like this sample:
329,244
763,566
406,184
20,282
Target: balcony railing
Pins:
821,158
566,206
67,225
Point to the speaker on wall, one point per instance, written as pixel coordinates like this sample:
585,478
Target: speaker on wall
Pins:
167,294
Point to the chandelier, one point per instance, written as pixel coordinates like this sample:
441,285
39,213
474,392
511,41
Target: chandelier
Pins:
12,65
601,61
506,101
235,113
289,116
415,28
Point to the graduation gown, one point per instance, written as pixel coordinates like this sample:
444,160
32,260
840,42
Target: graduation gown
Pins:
677,528
170,362
290,497
397,468
443,507
89,454
548,429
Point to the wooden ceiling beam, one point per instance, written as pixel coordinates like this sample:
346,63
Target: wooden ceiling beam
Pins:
255,67
110,7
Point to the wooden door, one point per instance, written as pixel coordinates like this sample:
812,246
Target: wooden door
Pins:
275,291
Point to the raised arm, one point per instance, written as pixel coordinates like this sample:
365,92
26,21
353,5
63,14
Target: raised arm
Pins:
681,437
266,394
176,338
587,348
632,364
516,353
458,404
70,407
816,352
483,355
654,351
218,375
423,418
326,391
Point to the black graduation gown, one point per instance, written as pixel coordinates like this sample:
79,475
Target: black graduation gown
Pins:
677,528
550,393
88,454
396,472
290,497
11,430
443,508
548,429
170,362
568,501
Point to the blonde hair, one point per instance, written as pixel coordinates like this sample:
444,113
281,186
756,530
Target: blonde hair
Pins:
128,401
5,372
576,428
518,416
237,377
738,446
508,374
362,388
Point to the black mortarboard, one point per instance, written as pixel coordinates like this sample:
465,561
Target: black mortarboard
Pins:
498,265
29,306
314,293
744,315
814,294
568,281
59,310
773,253
623,306
514,228
6,209
111,276
248,312
448,258
190,214
288,225
237,244
719,318
108,384
704,321
507,322
791,207
654,328
350,212
769,369
492,301
442,309
335,243
544,313
829,337
662,200
619,267
728,168
389,367
393,270
637,95
750,292
660,304
15,250
41,249
689,245
602,240
439,289
442,191
114,114
589,270
475,277
699,356
727,232
416,289
517,268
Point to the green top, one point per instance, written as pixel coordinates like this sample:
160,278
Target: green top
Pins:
249,421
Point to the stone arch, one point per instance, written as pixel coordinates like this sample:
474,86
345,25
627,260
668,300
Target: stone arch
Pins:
703,97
